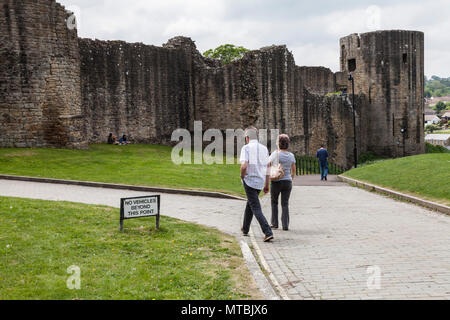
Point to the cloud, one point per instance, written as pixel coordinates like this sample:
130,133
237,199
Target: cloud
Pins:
310,29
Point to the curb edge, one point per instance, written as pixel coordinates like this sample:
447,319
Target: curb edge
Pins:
210,194
418,201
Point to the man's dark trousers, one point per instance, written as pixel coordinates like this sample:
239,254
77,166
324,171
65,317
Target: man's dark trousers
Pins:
253,208
323,170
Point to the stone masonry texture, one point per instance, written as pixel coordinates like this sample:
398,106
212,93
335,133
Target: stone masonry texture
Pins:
40,95
58,90
389,68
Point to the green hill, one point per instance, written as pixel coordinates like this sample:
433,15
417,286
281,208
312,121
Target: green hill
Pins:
437,87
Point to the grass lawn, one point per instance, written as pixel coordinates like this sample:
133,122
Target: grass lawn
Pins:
441,132
148,165
426,176
41,239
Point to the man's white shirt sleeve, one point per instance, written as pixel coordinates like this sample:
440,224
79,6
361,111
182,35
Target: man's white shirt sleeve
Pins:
244,154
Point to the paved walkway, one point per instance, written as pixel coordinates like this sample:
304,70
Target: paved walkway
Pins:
340,239
314,180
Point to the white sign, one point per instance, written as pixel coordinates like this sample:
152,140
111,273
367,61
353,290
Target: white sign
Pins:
140,207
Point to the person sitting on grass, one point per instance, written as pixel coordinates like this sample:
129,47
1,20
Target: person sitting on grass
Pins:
123,140
112,139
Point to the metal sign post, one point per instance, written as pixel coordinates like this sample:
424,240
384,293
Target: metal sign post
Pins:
139,207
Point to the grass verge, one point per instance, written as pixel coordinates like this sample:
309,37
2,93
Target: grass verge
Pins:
41,239
426,176
146,165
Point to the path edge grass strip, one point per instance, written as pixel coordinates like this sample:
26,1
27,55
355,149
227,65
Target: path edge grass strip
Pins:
210,194
405,197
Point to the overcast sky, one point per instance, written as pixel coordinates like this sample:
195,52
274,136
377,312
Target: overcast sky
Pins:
310,29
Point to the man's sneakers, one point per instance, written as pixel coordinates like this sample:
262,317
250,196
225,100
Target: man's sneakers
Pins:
266,238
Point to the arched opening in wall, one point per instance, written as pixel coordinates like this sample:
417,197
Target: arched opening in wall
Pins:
359,42
351,65
405,58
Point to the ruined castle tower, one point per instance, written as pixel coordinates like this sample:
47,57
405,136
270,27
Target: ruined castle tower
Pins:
40,93
388,68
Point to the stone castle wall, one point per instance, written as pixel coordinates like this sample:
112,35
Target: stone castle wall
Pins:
147,92
134,89
40,94
61,91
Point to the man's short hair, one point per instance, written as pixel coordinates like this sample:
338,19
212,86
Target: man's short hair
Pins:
251,132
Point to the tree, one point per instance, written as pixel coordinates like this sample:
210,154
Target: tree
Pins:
227,53
437,87
440,106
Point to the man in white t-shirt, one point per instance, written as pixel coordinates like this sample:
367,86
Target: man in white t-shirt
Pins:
255,177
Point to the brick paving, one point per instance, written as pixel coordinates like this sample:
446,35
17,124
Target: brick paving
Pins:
339,238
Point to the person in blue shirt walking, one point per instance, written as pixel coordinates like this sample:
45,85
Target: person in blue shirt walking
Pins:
322,154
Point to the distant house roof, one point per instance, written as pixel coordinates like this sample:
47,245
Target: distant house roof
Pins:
447,114
434,100
429,111
430,117
436,136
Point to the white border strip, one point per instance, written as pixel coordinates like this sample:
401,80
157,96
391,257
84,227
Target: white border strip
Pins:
264,285
265,265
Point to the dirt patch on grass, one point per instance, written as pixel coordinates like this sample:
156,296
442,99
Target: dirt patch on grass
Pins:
20,154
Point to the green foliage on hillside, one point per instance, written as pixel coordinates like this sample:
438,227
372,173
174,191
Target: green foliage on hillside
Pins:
437,87
431,128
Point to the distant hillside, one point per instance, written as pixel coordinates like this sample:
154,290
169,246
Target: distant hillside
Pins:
437,87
